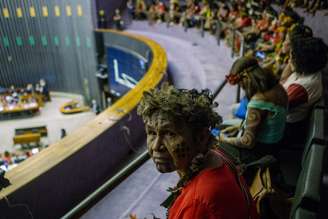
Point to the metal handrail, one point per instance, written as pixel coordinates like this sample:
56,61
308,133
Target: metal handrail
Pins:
218,31
202,25
106,187
220,88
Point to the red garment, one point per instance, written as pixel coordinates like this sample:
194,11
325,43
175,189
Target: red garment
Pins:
297,95
267,37
245,22
212,194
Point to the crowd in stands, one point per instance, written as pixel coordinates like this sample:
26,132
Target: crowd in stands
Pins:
280,72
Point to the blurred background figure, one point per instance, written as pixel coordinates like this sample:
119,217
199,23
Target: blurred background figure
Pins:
62,133
44,89
118,22
102,21
95,107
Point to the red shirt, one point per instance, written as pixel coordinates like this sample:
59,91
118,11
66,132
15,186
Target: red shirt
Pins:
212,194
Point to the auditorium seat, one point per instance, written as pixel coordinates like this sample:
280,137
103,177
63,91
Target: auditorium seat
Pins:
307,195
304,214
315,132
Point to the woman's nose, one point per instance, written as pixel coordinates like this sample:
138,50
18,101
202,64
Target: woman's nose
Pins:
158,144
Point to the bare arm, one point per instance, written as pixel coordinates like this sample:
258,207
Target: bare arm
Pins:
286,73
247,140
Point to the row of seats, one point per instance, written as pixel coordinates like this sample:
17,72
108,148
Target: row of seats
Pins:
310,181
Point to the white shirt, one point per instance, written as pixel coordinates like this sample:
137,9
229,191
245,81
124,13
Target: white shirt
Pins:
313,86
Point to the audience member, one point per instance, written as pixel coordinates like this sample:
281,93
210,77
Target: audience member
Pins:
308,56
178,126
263,127
130,7
140,9
295,32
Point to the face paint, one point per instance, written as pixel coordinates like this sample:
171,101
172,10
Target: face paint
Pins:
169,145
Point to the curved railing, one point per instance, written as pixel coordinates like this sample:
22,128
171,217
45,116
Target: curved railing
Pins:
53,181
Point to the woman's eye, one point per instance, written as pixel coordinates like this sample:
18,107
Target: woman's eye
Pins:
151,133
170,134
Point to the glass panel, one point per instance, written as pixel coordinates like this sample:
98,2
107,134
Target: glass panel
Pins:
57,11
68,10
19,41
5,12
56,40
44,41
6,42
78,41
32,11
79,11
19,12
31,40
45,11
67,41
88,43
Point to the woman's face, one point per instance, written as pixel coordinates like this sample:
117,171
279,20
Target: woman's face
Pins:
170,145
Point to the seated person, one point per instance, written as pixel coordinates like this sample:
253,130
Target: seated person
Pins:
7,157
265,120
140,9
118,22
178,126
44,89
29,89
296,31
151,15
289,17
308,56
243,21
174,12
160,11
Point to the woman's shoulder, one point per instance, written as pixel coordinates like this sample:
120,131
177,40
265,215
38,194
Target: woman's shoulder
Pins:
271,95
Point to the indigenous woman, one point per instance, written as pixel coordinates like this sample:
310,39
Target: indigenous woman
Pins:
263,127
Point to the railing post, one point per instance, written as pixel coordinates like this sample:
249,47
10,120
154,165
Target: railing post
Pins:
167,19
233,42
185,25
238,94
218,32
202,26
219,89
242,44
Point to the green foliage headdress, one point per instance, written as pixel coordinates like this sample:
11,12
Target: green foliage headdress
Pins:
190,106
